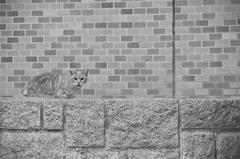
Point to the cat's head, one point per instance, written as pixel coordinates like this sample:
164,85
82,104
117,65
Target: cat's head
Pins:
78,78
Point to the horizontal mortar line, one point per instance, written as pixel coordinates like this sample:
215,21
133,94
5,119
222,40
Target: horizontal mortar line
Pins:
147,148
216,130
86,147
30,130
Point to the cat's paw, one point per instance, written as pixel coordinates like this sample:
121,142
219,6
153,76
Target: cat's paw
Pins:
25,92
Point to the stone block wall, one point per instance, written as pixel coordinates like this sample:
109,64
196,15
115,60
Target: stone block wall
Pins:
120,128
147,48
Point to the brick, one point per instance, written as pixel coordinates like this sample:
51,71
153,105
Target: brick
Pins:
49,52
113,25
107,5
87,25
52,115
211,114
120,5
133,85
88,91
75,65
197,145
68,32
228,145
139,11
235,2
75,38
100,25
188,78
126,11
113,78
37,39
68,5
75,12
43,19
133,71
139,25
56,45
17,114
119,72
208,85
13,78
2,26
18,72
56,19
37,1
215,63
37,13
85,123
68,58
126,38
136,117
37,65
215,36
133,45
104,154
208,29
126,25
222,28
215,50
6,59
12,13
235,42
201,22
152,10
208,16
19,20
223,85
88,52
229,22
159,31
230,78
101,65
159,17
31,145
100,38
208,2
87,12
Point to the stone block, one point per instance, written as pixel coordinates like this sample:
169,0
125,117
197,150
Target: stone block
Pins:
228,146
85,123
214,114
53,114
19,114
197,145
125,154
142,123
30,145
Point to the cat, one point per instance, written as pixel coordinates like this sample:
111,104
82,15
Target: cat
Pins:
58,85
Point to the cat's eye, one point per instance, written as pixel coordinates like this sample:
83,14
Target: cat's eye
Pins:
75,79
82,79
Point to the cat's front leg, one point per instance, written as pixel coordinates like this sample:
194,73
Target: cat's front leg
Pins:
64,94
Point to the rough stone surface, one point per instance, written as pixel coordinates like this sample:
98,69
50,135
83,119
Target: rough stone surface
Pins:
228,146
26,145
125,154
217,114
19,114
53,115
85,123
197,145
142,123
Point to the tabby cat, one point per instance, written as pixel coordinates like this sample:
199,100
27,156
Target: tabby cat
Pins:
58,85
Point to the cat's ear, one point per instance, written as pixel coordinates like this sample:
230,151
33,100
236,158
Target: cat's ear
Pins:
86,73
72,72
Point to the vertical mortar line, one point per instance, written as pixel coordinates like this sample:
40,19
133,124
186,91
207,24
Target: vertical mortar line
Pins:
215,145
173,50
179,128
42,117
105,123
64,129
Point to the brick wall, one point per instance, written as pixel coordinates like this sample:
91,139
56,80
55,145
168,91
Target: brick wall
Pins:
126,45
208,47
120,128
